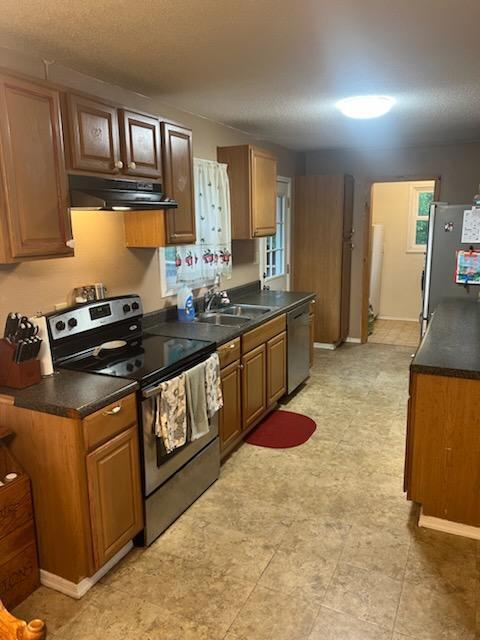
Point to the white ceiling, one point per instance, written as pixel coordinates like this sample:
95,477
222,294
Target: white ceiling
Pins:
276,68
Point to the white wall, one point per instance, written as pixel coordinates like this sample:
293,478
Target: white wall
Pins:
457,164
400,296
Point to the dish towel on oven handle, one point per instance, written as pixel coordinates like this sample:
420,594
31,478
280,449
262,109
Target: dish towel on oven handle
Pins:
195,384
213,386
170,421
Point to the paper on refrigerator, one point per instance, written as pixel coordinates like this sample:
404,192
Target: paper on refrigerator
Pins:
471,225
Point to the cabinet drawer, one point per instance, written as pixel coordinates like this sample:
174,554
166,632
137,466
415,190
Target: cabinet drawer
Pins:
229,352
264,332
107,422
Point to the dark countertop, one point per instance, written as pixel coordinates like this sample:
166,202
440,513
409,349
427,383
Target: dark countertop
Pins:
451,345
278,301
70,393
75,394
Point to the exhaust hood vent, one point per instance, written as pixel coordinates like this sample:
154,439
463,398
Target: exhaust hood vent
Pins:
109,194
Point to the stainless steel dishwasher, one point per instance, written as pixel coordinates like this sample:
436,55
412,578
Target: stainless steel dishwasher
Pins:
298,346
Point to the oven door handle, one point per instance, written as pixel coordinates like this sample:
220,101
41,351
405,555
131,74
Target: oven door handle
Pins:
149,393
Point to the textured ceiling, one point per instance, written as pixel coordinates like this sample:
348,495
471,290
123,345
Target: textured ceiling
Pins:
276,68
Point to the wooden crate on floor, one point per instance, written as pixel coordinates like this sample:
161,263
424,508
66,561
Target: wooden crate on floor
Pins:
19,575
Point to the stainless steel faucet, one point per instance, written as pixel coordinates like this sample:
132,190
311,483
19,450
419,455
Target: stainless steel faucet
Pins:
215,294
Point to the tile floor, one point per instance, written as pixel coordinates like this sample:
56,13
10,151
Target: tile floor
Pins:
397,332
311,543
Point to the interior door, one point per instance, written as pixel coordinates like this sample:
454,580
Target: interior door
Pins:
275,250
264,180
178,179
141,144
33,169
94,139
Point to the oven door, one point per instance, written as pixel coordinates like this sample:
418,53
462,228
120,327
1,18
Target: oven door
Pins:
159,466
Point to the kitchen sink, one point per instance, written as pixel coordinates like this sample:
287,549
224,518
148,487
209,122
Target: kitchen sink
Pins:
245,310
222,319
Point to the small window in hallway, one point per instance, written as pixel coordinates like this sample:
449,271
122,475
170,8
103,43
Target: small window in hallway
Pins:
421,197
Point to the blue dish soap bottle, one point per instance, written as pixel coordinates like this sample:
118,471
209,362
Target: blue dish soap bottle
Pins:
185,307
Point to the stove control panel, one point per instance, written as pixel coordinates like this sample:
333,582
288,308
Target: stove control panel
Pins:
93,315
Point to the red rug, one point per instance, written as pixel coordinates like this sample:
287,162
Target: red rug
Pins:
281,430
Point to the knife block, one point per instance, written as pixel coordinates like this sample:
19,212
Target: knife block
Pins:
17,375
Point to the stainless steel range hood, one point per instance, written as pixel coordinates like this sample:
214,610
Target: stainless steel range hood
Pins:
89,193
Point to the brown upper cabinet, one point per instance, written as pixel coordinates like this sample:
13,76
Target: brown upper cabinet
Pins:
140,144
253,186
104,139
34,220
178,183
93,136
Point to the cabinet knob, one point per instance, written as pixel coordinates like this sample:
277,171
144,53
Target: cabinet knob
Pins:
132,165
240,366
231,346
118,164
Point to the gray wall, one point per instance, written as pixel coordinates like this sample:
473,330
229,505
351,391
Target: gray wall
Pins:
458,165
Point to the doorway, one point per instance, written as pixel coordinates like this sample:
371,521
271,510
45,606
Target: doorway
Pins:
397,238
275,250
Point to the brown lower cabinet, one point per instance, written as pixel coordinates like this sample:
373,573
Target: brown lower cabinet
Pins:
85,480
276,368
442,465
230,423
254,376
115,494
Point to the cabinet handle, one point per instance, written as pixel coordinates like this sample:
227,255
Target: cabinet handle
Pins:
113,411
132,165
240,366
118,164
231,346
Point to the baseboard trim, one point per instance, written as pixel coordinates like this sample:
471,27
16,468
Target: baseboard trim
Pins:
448,526
78,590
353,340
325,345
399,319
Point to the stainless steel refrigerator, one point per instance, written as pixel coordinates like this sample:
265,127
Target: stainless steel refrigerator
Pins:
444,240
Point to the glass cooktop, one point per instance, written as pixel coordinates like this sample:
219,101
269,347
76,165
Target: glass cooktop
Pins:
147,359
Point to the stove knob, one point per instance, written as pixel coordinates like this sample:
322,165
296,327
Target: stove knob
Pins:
135,306
138,363
72,323
60,326
129,366
126,308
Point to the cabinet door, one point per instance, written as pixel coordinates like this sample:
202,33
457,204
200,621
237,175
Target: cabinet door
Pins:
94,140
276,368
311,330
140,143
230,425
264,190
178,183
254,396
36,219
115,495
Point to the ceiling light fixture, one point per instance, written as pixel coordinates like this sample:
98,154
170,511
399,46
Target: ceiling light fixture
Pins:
364,107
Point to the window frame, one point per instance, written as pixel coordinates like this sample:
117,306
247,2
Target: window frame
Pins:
413,217
279,248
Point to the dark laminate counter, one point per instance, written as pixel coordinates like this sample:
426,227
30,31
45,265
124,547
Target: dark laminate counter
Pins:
278,301
451,345
76,395
70,393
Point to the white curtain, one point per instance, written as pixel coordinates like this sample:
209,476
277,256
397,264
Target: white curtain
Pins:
198,264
